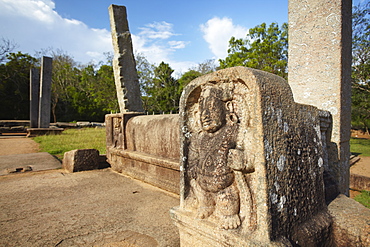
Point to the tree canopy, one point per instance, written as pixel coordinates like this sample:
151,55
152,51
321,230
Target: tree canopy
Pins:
361,66
14,86
265,48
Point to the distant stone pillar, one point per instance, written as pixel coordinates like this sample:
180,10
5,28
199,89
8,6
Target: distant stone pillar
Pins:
320,70
124,65
45,92
34,97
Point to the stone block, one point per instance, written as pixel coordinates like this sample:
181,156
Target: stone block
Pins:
81,160
251,163
351,222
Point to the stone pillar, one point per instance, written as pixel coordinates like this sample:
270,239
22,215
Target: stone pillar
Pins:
320,71
124,65
34,97
45,92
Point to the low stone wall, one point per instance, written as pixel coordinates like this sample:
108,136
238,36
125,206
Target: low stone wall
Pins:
145,147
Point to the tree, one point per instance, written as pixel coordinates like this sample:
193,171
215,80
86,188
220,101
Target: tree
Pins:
163,93
6,46
65,76
264,48
188,77
145,72
14,86
361,66
206,67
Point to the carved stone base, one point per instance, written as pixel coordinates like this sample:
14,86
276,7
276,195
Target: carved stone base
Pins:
198,232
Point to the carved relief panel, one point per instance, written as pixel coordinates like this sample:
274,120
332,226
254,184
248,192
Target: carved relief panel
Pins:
217,120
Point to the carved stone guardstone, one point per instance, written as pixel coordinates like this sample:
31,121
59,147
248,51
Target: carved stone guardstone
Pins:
251,164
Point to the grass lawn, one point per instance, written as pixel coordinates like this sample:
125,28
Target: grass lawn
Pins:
360,146
364,198
70,139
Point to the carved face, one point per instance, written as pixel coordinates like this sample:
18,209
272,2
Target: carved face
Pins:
212,110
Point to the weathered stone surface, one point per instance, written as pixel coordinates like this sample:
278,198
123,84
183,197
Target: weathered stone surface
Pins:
81,160
251,163
34,97
45,92
124,65
359,182
320,71
351,222
154,134
145,147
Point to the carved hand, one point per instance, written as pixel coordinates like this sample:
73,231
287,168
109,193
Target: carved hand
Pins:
235,159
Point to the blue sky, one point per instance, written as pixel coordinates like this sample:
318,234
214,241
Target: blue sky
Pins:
181,33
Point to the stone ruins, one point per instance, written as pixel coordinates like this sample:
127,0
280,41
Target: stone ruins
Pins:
45,92
251,160
40,100
124,65
320,71
255,168
34,97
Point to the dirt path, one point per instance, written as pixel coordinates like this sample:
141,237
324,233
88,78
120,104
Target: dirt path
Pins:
17,145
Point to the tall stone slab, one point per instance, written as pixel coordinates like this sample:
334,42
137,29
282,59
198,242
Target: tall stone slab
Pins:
251,164
320,71
45,92
124,65
34,97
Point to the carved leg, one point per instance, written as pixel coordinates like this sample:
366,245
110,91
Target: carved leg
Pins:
228,205
205,200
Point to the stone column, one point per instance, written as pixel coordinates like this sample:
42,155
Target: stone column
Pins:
34,97
124,65
45,92
320,70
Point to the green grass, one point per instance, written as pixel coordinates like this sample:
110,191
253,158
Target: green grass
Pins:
360,146
364,198
71,139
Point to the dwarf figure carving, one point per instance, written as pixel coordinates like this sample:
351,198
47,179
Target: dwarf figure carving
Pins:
213,157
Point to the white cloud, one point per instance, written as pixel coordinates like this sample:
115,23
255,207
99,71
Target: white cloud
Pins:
177,44
34,25
154,43
217,33
157,30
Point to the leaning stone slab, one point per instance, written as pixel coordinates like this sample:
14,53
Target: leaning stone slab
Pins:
251,164
81,160
124,65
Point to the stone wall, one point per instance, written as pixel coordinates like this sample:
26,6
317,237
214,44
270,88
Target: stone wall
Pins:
145,147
